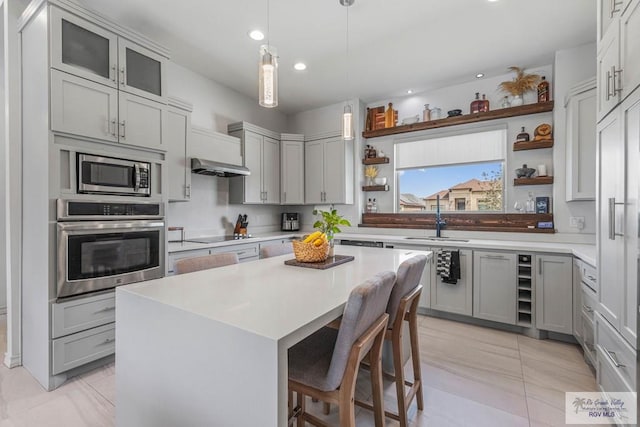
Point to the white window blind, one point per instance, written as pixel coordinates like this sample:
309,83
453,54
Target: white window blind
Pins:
451,150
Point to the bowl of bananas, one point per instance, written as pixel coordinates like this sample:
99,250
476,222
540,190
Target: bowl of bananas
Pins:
313,248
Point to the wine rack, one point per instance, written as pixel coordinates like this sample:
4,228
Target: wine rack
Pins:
525,290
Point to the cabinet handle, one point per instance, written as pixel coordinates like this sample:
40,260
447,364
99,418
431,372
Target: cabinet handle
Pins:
614,7
539,266
108,341
122,76
187,190
615,74
612,218
614,358
587,308
122,126
114,73
266,195
102,310
608,86
241,253
284,197
495,256
113,128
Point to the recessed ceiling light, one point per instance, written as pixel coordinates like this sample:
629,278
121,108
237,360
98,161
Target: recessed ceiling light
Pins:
409,91
480,75
256,35
300,66
493,1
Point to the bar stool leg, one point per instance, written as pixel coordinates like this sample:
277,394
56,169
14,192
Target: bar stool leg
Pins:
415,354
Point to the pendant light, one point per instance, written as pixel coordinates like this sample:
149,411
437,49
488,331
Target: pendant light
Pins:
268,72
347,116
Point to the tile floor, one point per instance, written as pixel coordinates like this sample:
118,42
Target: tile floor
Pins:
473,376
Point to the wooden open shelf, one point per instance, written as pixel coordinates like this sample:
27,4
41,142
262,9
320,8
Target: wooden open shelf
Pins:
532,145
538,180
540,107
375,187
375,161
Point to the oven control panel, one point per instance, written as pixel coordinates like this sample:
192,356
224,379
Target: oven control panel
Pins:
85,210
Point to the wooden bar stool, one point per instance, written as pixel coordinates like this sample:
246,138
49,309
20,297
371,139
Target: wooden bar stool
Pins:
403,307
189,265
325,364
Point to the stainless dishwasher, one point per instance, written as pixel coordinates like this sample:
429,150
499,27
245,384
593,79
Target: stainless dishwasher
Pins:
365,243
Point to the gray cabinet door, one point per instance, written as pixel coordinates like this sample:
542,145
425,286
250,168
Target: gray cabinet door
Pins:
611,164
82,107
495,286
177,132
271,170
554,293
454,298
141,121
83,49
252,155
141,72
334,170
313,172
292,172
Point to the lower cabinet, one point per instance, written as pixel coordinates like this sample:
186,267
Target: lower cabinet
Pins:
83,330
554,293
175,256
616,360
495,286
453,298
246,252
278,242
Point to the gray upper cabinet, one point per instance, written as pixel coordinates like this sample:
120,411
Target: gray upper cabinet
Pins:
291,169
328,169
82,48
261,155
495,286
83,107
554,293
140,121
580,106
177,134
87,50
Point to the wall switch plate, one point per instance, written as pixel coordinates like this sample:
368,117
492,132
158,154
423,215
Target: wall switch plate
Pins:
576,222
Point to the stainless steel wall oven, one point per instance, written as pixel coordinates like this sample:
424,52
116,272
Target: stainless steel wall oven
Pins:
106,244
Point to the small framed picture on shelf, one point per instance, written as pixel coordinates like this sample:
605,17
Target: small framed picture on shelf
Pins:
542,205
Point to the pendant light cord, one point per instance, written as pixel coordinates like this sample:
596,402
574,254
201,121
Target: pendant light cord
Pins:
268,29
347,61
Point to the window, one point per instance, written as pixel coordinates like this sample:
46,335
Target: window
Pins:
460,173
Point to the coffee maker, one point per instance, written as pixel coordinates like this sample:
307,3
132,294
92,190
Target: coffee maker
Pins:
290,221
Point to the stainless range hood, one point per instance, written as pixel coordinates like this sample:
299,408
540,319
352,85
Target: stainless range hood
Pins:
209,167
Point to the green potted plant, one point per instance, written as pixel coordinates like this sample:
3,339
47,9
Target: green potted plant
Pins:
329,224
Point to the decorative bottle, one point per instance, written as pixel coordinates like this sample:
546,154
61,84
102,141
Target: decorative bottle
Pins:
484,106
530,206
374,206
522,136
543,90
389,117
475,105
369,205
426,114
367,123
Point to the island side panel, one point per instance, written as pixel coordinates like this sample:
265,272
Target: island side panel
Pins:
177,368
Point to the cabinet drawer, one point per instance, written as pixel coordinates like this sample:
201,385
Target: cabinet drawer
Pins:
243,251
615,349
84,347
609,380
82,314
589,301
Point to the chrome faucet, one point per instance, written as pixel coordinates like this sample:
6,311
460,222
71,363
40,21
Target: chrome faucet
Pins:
440,223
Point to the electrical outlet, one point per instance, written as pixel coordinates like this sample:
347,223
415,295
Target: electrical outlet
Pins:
576,222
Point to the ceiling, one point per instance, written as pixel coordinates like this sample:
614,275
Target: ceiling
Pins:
393,45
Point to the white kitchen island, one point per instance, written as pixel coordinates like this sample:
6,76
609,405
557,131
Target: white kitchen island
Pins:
210,348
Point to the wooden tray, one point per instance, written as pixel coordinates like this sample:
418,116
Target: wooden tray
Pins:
322,265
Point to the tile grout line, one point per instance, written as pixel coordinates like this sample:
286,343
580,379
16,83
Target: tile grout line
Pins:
524,383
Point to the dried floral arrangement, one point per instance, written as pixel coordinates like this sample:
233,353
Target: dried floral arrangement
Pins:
522,82
371,172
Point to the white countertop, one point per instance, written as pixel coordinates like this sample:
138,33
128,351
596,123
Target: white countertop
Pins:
267,297
585,252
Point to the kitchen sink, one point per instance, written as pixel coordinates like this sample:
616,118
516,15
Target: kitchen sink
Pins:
437,239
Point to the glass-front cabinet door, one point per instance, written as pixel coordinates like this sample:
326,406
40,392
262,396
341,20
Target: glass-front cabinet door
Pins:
83,49
141,70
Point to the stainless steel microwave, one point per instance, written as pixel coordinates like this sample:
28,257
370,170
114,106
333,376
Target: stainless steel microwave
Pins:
108,175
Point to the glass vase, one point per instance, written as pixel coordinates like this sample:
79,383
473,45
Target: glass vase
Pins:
331,244
517,100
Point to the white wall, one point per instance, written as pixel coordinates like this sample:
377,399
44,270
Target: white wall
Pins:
214,107
571,66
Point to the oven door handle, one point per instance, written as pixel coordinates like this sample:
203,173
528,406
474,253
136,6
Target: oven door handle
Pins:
100,226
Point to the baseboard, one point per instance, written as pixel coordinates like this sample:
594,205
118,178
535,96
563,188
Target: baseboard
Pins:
12,361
